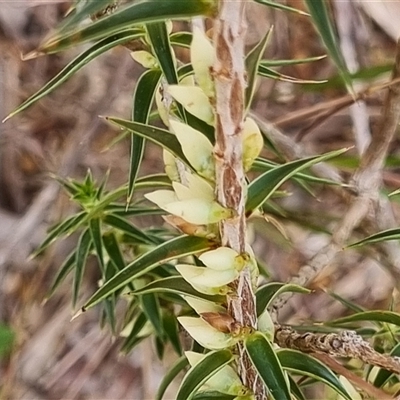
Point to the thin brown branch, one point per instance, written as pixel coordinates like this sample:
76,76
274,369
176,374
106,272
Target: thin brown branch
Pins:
327,109
366,183
366,387
229,75
343,344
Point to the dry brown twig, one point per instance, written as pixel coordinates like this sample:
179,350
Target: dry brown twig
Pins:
366,205
366,183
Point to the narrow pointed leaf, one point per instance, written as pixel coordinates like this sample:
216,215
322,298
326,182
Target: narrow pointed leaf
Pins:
349,304
295,61
64,227
265,165
322,21
64,270
120,210
267,293
181,246
389,234
171,330
159,39
78,63
303,364
383,375
268,366
177,285
95,232
171,374
113,250
82,11
252,64
201,372
280,6
133,338
214,395
295,390
370,316
142,101
151,309
261,189
126,17
123,225
82,252
272,74
183,39
159,136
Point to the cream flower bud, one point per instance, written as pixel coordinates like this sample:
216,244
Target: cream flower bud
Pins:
206,276
202,306
202,56
206,335
253,142
198,211
193,100
224,381
161,197
145,59
170,166
196,147
223,258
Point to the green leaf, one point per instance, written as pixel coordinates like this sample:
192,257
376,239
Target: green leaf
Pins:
142,101
320,17
267,293
262,164
7,338
214,395
159,39
65,227
370,316
128,228
171,330
295,390
113,250
252,63
201,372
120,210
383,375
151,309
295,61
183,39
181,246
303,364
176,285
76,64
171,374
270,73
95,232
349,304
83,10
264,358
133,339
158,136
82,251
281,6
261,189
64,270
389,234
126,17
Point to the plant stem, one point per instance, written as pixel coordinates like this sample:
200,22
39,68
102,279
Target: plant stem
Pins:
229,74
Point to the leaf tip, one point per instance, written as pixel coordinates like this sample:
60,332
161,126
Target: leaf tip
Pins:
32,55
78,313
